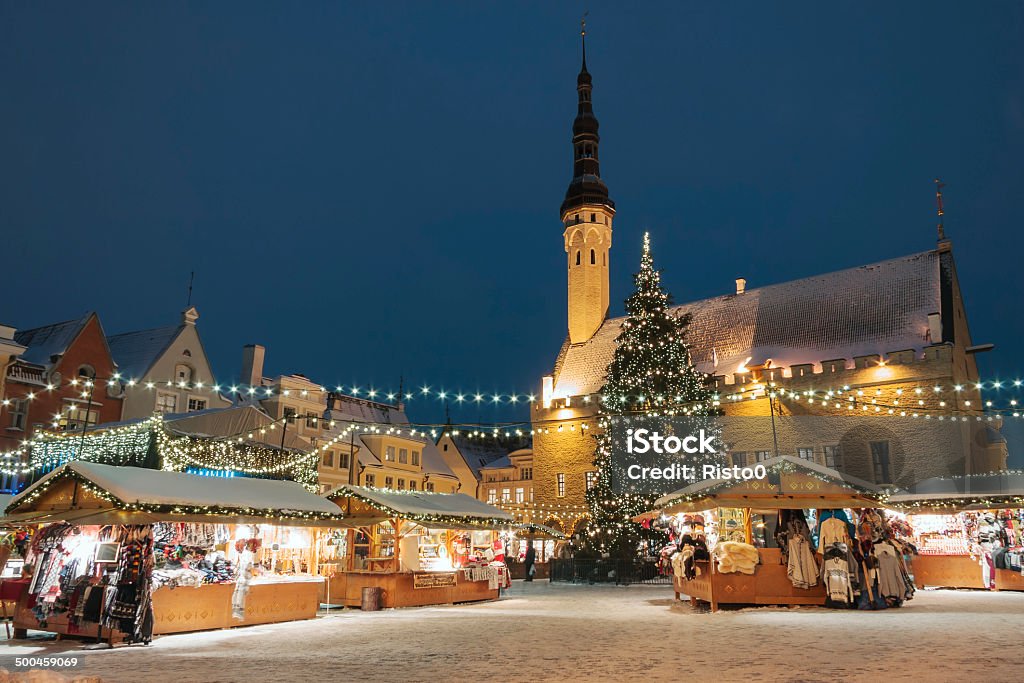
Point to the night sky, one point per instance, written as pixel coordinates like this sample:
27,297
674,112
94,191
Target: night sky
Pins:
372,189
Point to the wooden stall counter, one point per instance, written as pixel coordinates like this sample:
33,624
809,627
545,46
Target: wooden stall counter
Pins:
269,601
960,571
408,589
203,608
768,585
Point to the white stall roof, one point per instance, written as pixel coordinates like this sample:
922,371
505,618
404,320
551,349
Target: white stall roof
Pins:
137,485
416,505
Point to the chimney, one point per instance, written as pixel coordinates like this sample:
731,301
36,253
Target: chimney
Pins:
252,364
741,285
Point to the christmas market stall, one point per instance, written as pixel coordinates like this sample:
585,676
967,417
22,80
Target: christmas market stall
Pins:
125,553
547,543
967,530
752,541
416,548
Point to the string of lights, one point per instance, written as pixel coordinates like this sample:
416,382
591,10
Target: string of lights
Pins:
451,396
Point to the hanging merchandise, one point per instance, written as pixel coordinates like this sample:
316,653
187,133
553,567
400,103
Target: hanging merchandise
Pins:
129,607
838,568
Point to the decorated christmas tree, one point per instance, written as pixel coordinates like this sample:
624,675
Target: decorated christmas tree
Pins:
651,381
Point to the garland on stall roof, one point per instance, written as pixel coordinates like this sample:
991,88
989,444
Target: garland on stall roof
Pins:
419,518
781,467
211,510
180,453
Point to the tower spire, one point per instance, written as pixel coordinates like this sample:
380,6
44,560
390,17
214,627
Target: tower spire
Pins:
587,214
586,186
583,38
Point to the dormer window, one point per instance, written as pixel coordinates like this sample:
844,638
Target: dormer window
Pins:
186,353
87,371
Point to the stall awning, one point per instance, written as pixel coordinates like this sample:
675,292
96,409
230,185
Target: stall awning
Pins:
954,494
362,506
790,483
103,494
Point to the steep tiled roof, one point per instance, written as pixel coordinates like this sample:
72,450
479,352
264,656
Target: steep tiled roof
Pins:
50,340
873,309
135,352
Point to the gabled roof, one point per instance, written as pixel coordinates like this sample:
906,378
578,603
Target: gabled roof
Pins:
873,309
136,352
179,493
790,483
43,343
482,451
364,505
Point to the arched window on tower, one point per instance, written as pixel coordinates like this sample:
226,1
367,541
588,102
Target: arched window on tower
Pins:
604,259
593,257
577,257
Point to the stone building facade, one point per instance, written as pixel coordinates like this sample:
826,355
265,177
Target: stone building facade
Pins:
843,360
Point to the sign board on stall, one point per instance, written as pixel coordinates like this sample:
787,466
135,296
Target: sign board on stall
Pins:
433,580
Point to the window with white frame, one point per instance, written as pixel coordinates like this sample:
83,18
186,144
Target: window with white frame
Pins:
343,460
412,485
401,484
761,456
560,483
328,459
389,482
805,454
520,495
403,456
195,404
370,480
492,496
506,495
429,486
18,411
389,453
166,402
415,457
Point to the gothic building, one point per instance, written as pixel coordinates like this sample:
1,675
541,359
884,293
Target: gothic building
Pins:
889,340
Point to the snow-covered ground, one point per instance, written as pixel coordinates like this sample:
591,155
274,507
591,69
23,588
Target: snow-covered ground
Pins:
543,631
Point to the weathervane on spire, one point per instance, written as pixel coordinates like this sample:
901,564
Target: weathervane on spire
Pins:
938,198
583,37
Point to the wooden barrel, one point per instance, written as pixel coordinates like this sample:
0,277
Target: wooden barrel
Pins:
371,598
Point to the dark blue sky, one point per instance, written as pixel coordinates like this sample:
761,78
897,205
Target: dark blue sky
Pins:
371,189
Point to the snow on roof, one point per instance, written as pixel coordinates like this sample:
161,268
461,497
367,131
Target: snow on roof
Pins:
873,309
135,352
363,410
136,485
782,462
418,504
49,340
482,452
433,462
503,461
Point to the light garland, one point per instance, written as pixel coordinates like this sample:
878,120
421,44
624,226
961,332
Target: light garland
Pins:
423,519
41,488
262,392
